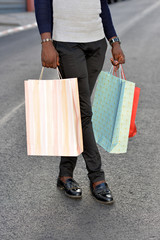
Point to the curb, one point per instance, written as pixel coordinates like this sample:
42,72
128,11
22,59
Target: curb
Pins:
17,29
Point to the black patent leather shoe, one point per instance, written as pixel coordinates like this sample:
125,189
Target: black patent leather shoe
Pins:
102,193
70,187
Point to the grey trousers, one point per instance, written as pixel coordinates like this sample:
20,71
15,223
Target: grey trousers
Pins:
84,61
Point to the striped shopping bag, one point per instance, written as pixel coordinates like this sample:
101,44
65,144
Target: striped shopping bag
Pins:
53,119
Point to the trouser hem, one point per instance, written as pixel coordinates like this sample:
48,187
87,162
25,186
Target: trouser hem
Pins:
65,175
94,179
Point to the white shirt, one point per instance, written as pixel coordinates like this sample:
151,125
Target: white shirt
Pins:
77,21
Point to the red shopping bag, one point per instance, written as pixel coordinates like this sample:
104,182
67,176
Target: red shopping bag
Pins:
133,128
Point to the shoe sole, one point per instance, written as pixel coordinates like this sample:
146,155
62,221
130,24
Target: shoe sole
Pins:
75,197
105,203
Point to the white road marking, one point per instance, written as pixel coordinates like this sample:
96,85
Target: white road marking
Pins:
10,114
136,19
17,29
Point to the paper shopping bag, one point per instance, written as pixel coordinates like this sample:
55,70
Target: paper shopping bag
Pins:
133,128
53,119
112,106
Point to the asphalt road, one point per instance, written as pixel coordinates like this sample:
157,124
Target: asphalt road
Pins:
31,207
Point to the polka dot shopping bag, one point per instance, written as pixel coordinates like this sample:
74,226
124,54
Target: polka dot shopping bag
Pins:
112,108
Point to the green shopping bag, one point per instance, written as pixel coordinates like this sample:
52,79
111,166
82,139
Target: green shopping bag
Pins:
112,108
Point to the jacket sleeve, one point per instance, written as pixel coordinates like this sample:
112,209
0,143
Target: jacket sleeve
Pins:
44,15
107,20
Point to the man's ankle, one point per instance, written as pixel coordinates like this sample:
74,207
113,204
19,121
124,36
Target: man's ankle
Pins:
63,179
97,183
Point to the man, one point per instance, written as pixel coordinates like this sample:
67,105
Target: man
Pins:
78,48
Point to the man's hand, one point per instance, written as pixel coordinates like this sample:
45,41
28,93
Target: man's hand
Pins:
49,55
118,55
